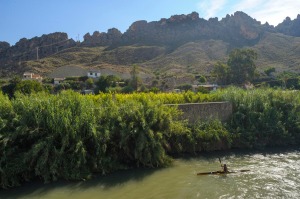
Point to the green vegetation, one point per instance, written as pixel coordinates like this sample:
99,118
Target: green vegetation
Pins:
264,117
239,69
71,136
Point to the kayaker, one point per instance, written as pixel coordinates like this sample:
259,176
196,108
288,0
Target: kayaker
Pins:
225,169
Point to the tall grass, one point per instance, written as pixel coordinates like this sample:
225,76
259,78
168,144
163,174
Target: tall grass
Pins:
70,136
264,117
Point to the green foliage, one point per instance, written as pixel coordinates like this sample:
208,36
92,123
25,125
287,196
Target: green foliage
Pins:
135,80
127,89
48,80
62,86
185,87
104,82
154,90
89,83
29,86
9,89
221,73
264,117
211,135
72,136
202,89
241,65
269,71
239,69
201,79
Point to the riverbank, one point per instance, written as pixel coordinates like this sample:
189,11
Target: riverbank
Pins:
70,136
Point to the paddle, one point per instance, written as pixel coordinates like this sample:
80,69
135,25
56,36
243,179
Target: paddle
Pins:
220,161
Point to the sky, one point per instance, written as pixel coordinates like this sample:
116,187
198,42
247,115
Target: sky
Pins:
29,18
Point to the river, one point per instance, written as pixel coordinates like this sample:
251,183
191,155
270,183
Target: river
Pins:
273,173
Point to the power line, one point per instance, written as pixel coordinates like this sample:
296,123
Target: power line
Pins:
37,49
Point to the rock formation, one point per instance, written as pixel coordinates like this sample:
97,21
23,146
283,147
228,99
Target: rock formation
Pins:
35,48
102,39
4,46
290,27
238,29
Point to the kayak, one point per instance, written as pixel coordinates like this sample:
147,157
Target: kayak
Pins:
221,172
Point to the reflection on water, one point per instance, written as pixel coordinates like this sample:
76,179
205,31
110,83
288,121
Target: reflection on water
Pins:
274,174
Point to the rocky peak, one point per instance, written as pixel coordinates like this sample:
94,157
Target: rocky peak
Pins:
37,47
184,18
112,36
4,46
242,28
290,27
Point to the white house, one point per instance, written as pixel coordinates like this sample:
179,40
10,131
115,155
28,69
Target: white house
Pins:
209,87
32,76
58,81
94,74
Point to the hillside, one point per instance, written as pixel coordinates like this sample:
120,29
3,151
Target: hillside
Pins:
174,50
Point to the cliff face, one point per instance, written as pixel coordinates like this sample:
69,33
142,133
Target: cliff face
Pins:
290,27
102,39
238,29
4,46
29,49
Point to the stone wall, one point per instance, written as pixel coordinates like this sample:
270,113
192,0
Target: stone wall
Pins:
205,111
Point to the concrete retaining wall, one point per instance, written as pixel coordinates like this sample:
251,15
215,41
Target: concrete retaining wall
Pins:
205,111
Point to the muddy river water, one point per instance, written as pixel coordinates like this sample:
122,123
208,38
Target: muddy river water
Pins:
274,173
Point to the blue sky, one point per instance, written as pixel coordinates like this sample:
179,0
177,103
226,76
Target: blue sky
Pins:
30,18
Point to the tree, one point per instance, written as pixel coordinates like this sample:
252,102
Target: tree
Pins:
220,72
29,86
185,87
241,65
9,89
105,82
89,83
201,79
269,71
135,80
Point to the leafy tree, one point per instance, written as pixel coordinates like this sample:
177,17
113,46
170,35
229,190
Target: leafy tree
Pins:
105,82
9,89
201,89
241,65
62,86
29,86
89,83
201,79
185,87
221,73
127,89
154,89
135,80
289,80
269,70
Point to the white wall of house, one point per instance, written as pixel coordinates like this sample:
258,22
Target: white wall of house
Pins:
32,76
94,74
58,80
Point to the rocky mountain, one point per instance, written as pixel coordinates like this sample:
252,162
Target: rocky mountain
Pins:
290,27
11,57
180,45
238,29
